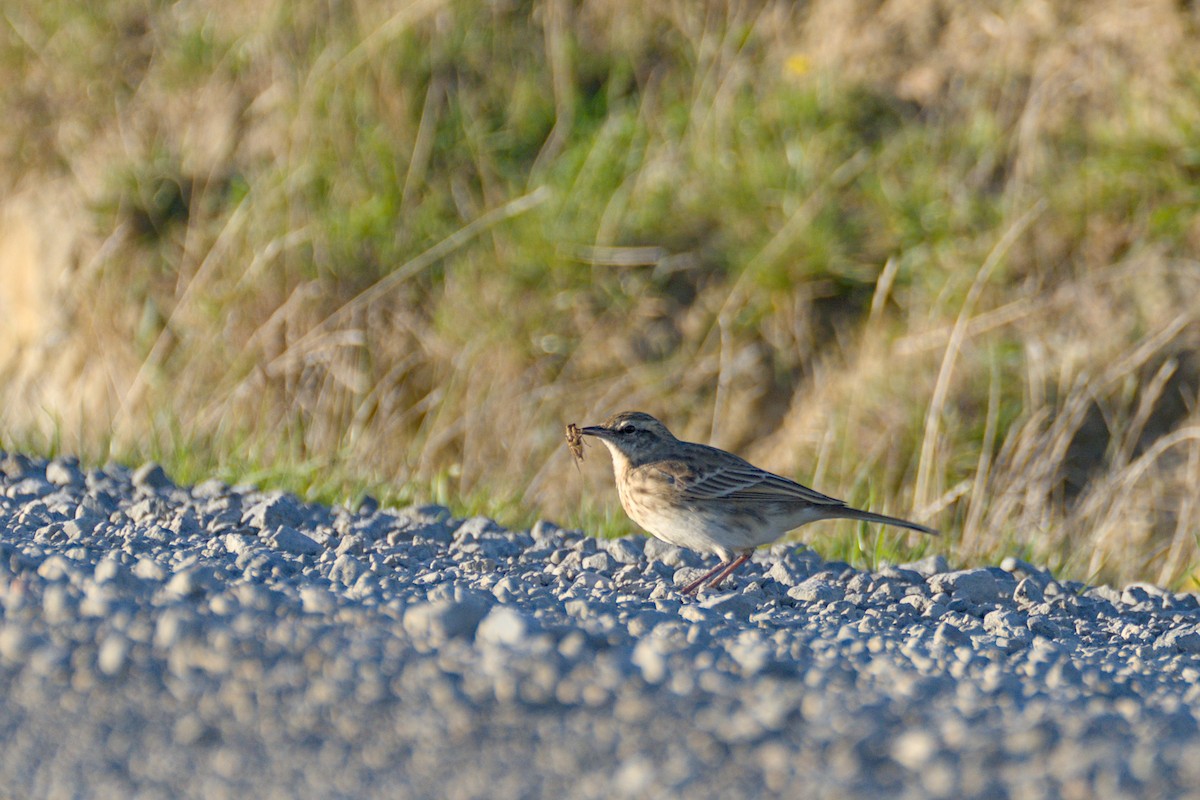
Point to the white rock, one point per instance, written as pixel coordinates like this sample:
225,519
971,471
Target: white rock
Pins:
503,625
113,654
816,590
293,541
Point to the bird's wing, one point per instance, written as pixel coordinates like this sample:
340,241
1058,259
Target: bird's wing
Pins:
733,479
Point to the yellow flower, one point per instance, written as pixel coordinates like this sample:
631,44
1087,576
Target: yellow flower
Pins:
797,64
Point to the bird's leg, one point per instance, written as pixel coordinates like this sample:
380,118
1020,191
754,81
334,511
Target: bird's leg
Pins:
737,562
694,585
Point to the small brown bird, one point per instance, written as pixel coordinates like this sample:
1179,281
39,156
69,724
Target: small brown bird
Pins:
695,496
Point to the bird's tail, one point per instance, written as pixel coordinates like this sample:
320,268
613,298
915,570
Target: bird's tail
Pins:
867,516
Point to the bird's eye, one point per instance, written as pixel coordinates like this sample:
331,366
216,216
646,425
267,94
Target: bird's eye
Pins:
626,429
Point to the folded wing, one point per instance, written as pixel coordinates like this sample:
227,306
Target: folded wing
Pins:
742,481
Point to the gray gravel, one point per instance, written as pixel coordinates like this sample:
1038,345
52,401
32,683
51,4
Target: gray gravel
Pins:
216,641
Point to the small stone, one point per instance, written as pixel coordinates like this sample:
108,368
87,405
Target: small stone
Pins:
1063,674
1007,626
737,606
590,581
786,575
504,625
113,654
290,540
14,643
109,570
1028,592
584,545
669,554
751,653
928,566
56,568
816,590
77,529
643,622
1134,595
914,748
150,476
275,512
950,636
346,569
909,576
15,466
598,562
49,659
210,488
61,474
695,613
508,589
544,531
477,527
428,514
435,532
350,543
190,730
626,550
174,625
1102,592
239,544
96,504
1186,601
184,524
145,510
1041,625
635,776
649,657
1002,622
316,600
28,488
1022,570
193,582
578,608
627,574
445,619
149,569
976,586
886,592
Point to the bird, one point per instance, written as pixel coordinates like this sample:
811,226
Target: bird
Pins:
709,500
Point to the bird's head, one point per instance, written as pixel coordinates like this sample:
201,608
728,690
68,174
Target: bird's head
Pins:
631,436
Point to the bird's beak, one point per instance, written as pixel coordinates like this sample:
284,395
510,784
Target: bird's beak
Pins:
598,431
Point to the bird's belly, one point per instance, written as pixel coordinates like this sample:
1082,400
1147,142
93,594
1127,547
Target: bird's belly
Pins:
704,532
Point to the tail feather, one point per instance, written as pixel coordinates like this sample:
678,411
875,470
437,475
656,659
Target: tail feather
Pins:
847,512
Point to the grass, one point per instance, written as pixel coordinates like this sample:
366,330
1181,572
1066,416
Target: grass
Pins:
367,248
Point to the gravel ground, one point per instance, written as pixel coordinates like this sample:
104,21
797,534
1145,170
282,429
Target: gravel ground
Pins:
216,641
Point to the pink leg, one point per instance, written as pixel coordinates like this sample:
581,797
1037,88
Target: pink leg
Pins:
694,585
737,562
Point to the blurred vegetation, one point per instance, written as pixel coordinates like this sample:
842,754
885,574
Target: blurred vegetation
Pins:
936,259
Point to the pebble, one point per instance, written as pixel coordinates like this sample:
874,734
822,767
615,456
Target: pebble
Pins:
150,476
62,474
975,586
625,551
113,654
442,620
504,625
293,541
346,569
816,590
